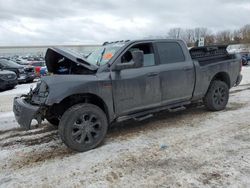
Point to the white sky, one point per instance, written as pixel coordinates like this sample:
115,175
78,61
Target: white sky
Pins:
38,22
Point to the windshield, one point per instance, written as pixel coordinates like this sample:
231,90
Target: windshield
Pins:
103,54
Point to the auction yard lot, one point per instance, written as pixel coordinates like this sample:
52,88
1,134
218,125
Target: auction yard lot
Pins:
191,148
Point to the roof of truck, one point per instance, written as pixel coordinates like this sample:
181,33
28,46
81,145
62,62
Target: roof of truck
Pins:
139,40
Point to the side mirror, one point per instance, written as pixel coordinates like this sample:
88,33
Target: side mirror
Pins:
137,57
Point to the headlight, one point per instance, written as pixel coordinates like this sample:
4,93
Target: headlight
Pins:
43,89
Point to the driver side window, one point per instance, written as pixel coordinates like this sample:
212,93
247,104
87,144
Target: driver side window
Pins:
148,51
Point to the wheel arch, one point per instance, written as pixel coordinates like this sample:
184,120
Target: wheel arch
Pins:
222,76
58,109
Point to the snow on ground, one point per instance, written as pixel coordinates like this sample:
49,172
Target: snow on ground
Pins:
19,89
6,97
191,148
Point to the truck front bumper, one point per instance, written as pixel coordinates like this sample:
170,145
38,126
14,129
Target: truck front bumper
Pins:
24,112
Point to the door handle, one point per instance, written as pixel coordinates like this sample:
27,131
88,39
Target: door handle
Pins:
153,74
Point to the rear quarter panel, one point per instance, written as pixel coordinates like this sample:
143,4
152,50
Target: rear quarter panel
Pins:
206,73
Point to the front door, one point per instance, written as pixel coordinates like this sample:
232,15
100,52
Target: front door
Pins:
136,89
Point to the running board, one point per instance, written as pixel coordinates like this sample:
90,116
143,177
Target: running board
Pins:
177,109
149,113
134,117
143,117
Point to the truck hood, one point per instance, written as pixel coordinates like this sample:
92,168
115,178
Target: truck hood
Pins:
57,58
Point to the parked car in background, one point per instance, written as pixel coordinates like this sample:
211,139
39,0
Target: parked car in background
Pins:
36,62
24,73
245,58
20,61
37,65
8,79
43,71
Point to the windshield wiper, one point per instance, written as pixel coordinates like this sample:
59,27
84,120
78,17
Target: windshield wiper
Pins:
100,59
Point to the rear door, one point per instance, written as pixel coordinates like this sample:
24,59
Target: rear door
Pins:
177,72
137,89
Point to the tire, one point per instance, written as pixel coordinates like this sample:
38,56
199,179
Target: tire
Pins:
217,96
83,127
53,121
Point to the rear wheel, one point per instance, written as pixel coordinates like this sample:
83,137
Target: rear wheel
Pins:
217,96
83,127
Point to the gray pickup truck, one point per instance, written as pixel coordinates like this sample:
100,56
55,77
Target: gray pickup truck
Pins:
125,80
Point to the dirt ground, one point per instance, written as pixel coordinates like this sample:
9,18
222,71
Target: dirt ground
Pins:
191,148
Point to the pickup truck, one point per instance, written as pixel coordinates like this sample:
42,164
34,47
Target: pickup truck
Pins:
125,80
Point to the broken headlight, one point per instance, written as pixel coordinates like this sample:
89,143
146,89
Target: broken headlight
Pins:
43,89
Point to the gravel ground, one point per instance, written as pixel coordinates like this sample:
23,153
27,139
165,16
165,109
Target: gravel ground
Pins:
191,148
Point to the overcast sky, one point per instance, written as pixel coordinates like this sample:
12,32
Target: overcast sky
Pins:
42,22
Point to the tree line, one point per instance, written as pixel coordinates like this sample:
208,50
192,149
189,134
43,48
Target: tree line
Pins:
191,36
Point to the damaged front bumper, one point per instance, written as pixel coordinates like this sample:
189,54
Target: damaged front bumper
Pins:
25,112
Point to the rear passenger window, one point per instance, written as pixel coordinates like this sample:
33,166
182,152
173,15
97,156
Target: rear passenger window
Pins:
170,52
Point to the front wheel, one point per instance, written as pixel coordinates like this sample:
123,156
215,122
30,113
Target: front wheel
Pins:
217,96
83,127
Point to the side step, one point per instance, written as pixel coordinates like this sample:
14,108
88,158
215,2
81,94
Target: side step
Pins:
143,117
135,117
149,113
176,109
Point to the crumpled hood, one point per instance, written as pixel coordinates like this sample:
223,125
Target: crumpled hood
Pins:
56,58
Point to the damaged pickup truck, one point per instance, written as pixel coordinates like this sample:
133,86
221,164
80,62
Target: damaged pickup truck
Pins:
125,80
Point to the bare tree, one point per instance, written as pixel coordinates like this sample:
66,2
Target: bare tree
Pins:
224,37
174,33
245,32
192,35
188,36
210,39
236,37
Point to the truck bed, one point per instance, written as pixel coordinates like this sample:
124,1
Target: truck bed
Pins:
210,54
